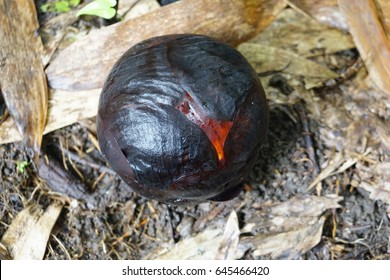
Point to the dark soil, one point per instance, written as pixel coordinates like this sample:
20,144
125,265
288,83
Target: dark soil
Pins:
123,225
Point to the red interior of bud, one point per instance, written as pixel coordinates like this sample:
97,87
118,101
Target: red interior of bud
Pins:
215,130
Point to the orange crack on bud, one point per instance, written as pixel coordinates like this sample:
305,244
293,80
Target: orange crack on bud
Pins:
216,131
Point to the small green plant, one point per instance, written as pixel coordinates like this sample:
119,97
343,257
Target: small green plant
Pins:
100,8
21,166
62,6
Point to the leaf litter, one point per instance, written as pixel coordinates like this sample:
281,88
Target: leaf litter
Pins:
278,215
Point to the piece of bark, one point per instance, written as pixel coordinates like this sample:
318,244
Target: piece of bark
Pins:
22,80
370,38
86,63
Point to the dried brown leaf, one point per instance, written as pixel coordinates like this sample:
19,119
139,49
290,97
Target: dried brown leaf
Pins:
65,108
288,229
209,244
302,35
202,246
265,58
27,236
22,80
370,38
325,11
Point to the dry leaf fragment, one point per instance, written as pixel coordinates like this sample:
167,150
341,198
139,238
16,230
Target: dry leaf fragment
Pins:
265,58
207,245
202,246
288,229
370,38
292,244
302,35
27,236
86,63
228,247
338,164
65,108
22,80
325,11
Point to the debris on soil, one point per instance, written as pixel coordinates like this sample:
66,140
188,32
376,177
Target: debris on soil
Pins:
319,189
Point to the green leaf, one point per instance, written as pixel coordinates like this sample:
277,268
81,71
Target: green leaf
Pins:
100,8
44,7
74,3
20,166
61,7
110,3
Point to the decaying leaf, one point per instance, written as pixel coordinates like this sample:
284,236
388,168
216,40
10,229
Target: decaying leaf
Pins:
27,236
22,80
302,35
86,63
288,229
203,246
207,245
289,42
337,164
265,59
370,38
379,184
325,11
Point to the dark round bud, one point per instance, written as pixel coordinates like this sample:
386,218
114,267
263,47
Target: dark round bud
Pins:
181,119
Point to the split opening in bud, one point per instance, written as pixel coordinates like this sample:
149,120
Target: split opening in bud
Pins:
217,131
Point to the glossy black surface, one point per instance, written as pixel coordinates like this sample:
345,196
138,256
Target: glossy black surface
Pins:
161,113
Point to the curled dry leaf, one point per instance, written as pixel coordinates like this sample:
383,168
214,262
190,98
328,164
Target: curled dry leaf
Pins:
27,236
22,81
86,63
288,229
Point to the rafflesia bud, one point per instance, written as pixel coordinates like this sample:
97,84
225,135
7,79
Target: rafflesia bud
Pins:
181,119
